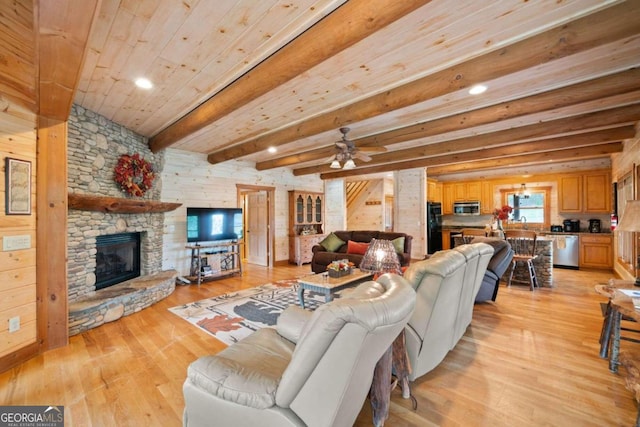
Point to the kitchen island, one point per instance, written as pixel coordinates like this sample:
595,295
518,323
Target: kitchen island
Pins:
543,264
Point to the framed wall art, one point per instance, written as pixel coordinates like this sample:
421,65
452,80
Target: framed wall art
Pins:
17,187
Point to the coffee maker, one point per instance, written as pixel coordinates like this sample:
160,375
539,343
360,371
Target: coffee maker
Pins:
594,226
571,225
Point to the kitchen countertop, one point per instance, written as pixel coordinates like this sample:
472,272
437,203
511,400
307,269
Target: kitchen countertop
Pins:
543,232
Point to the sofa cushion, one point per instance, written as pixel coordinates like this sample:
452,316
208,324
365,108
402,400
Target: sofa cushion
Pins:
332,242
363,235
398,244
357,248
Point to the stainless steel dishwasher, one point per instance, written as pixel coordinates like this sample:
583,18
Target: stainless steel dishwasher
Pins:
566,251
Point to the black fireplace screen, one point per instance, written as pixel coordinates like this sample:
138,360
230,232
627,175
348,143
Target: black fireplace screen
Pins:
117,258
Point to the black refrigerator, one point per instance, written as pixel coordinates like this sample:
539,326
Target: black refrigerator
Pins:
434,227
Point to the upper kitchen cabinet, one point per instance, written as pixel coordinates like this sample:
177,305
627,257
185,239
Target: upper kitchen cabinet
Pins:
447,198
585,193
466,191
487,204
434,191
597,192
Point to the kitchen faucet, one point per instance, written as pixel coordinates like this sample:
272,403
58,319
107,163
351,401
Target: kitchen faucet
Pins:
524,220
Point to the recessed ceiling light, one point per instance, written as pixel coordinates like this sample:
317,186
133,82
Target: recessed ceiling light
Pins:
272,150
144,83
477,89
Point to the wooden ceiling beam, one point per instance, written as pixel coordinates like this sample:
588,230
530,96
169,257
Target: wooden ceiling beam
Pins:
570,154
611,85
615,117
64,27
611,24
495,161
347,25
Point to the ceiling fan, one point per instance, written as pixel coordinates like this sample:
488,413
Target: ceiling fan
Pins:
347,151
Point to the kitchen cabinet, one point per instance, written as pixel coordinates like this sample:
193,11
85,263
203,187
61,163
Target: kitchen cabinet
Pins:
434,191
466,191
446,239
596,251
597,192
486,198
585,193
447,199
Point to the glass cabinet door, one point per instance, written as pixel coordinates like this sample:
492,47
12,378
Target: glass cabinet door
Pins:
300,209
318,209
309,209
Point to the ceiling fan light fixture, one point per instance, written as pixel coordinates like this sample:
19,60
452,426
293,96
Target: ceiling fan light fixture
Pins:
349,164
335,164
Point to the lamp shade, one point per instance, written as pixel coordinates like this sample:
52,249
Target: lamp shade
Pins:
380,257
630,220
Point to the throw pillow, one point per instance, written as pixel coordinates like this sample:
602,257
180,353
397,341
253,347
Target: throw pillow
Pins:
357,248
398,244
332,242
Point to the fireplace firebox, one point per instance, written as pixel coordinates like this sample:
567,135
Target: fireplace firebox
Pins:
117,258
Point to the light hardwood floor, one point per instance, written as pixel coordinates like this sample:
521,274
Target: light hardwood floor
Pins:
529,359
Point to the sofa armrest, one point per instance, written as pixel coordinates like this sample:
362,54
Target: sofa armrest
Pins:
318,248
291,322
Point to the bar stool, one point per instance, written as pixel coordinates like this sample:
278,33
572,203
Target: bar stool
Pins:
523,243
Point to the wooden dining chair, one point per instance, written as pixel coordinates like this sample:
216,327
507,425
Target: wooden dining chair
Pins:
523,243
469,233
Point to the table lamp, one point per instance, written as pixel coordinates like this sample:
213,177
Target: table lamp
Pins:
380,257
631,222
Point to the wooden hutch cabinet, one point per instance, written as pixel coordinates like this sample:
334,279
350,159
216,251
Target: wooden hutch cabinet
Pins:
306,218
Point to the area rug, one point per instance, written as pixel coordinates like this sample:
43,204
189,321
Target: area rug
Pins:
232,316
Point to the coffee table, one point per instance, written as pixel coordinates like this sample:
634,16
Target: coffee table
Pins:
327,286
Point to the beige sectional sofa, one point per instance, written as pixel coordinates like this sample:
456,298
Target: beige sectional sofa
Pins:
446,285
313,369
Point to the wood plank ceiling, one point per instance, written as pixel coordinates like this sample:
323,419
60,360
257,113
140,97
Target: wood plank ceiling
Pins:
233,78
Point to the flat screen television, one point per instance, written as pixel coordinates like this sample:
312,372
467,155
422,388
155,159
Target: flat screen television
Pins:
213,224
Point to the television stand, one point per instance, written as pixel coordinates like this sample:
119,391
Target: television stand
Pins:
229,261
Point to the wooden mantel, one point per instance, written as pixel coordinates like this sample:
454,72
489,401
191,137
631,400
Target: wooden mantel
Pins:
86,202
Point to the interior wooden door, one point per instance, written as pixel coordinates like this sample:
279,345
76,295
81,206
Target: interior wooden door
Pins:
257,228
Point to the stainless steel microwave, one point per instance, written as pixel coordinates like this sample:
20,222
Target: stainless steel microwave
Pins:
466,208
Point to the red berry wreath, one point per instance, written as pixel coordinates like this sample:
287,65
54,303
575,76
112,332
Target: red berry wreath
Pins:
134,174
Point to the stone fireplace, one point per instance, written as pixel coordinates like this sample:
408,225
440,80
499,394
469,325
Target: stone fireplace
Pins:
95,145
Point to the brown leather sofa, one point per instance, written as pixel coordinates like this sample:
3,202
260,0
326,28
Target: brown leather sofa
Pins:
322,257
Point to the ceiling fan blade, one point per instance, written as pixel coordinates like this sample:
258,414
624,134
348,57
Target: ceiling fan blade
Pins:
372,149
341,145
360,155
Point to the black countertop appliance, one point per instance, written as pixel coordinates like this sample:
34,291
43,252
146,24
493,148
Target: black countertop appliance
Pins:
571,225
594,226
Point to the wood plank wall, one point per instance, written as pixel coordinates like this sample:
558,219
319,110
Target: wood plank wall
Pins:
189,179
18,267
17,140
